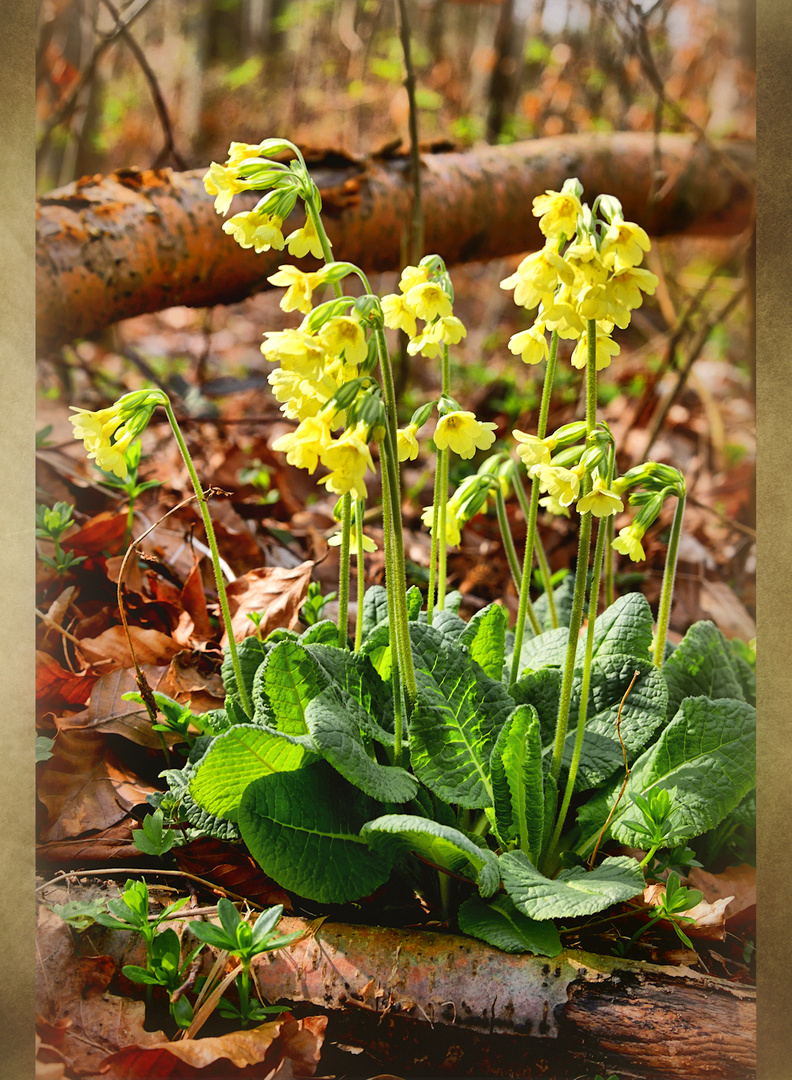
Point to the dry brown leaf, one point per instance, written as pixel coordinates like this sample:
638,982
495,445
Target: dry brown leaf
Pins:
57,686
133,579
193,597
231,868
85,786
151,647
719,602
710,920
739,882
260,1052
112,843
109,713
193,676
103,534
273,590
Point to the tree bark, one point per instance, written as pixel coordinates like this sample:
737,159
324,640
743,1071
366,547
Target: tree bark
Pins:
438,1004
109,248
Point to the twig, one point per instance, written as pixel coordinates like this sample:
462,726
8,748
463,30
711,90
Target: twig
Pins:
159,102
63,874
626,770
415,243
68,104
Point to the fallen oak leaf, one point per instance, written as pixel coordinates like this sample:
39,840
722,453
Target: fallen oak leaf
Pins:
276,591
258,1052
151,647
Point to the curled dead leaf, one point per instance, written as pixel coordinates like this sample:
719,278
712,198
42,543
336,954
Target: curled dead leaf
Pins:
276,591
709,918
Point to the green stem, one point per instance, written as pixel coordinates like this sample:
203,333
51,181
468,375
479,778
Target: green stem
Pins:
130,523
390,590
609,591
243,986
666,596
649,855
343,571
506,536
442,539
210,536
361,578
525,505
523,609
430,599
581,571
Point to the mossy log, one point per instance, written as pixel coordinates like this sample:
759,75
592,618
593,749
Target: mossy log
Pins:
111,247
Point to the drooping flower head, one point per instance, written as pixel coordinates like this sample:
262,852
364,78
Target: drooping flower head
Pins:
108,433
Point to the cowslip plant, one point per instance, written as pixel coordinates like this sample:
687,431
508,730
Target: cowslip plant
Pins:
485,764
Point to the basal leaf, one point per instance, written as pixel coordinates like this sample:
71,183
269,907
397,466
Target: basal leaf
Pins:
517,781
234,760
707,752
562,597
324,632
485,637
375,609
544,650
251,652
623,628
500,924
303,829
574,892
335,720
400,834
355,673
203,822
414,603
290,679
458,716
702,664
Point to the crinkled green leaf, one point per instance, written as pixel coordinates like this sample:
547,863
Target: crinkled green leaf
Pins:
303,829
500,924
574,892
288,681
517,781
204,823
544,650
702,664
237,758
396,834
456,721
485,637
355,673
375,609
321,633
335,720
707,753
623,628
251,653
563,594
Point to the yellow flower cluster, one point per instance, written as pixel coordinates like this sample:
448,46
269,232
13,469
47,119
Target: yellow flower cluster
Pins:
598,277
108,433
422,298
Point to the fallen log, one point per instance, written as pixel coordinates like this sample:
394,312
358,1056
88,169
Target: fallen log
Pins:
438,1004
112,247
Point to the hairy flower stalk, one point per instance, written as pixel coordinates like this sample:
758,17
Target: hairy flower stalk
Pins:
669,576
523,610
544,566
361,577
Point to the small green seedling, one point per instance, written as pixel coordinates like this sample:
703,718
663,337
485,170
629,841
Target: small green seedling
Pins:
176,718
153,838
659,819
51,523
675,900
239,939
166,969
43,748
315,604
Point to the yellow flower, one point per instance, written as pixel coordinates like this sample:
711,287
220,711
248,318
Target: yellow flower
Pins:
348,458
295,350
305,445
107,433
424,345
453,524
90,426
368,543
222,183
537,276
605,348
588,264
398,314
563,318
557,213
628,542
256,230
412,276
533,450
448,330
305,241
463,433
624,243
562,484
241,151
553,506
300,288
531,345
406,443
601,501
601,302
428,300
344,335
628,284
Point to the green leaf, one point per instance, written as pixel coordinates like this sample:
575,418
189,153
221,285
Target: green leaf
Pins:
43,748
400,834
205,824
485,636
355,673
321,633
625,628
335,720
517,783
702,664
544,650
237,758
562,595
375,609
499,923
456,721
414,603
288,681
79,913
303,829
707,752
574,892
251,654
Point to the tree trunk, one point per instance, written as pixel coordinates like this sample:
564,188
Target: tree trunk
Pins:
112,247
437,1004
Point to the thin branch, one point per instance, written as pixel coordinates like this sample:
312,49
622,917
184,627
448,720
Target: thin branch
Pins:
169,149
